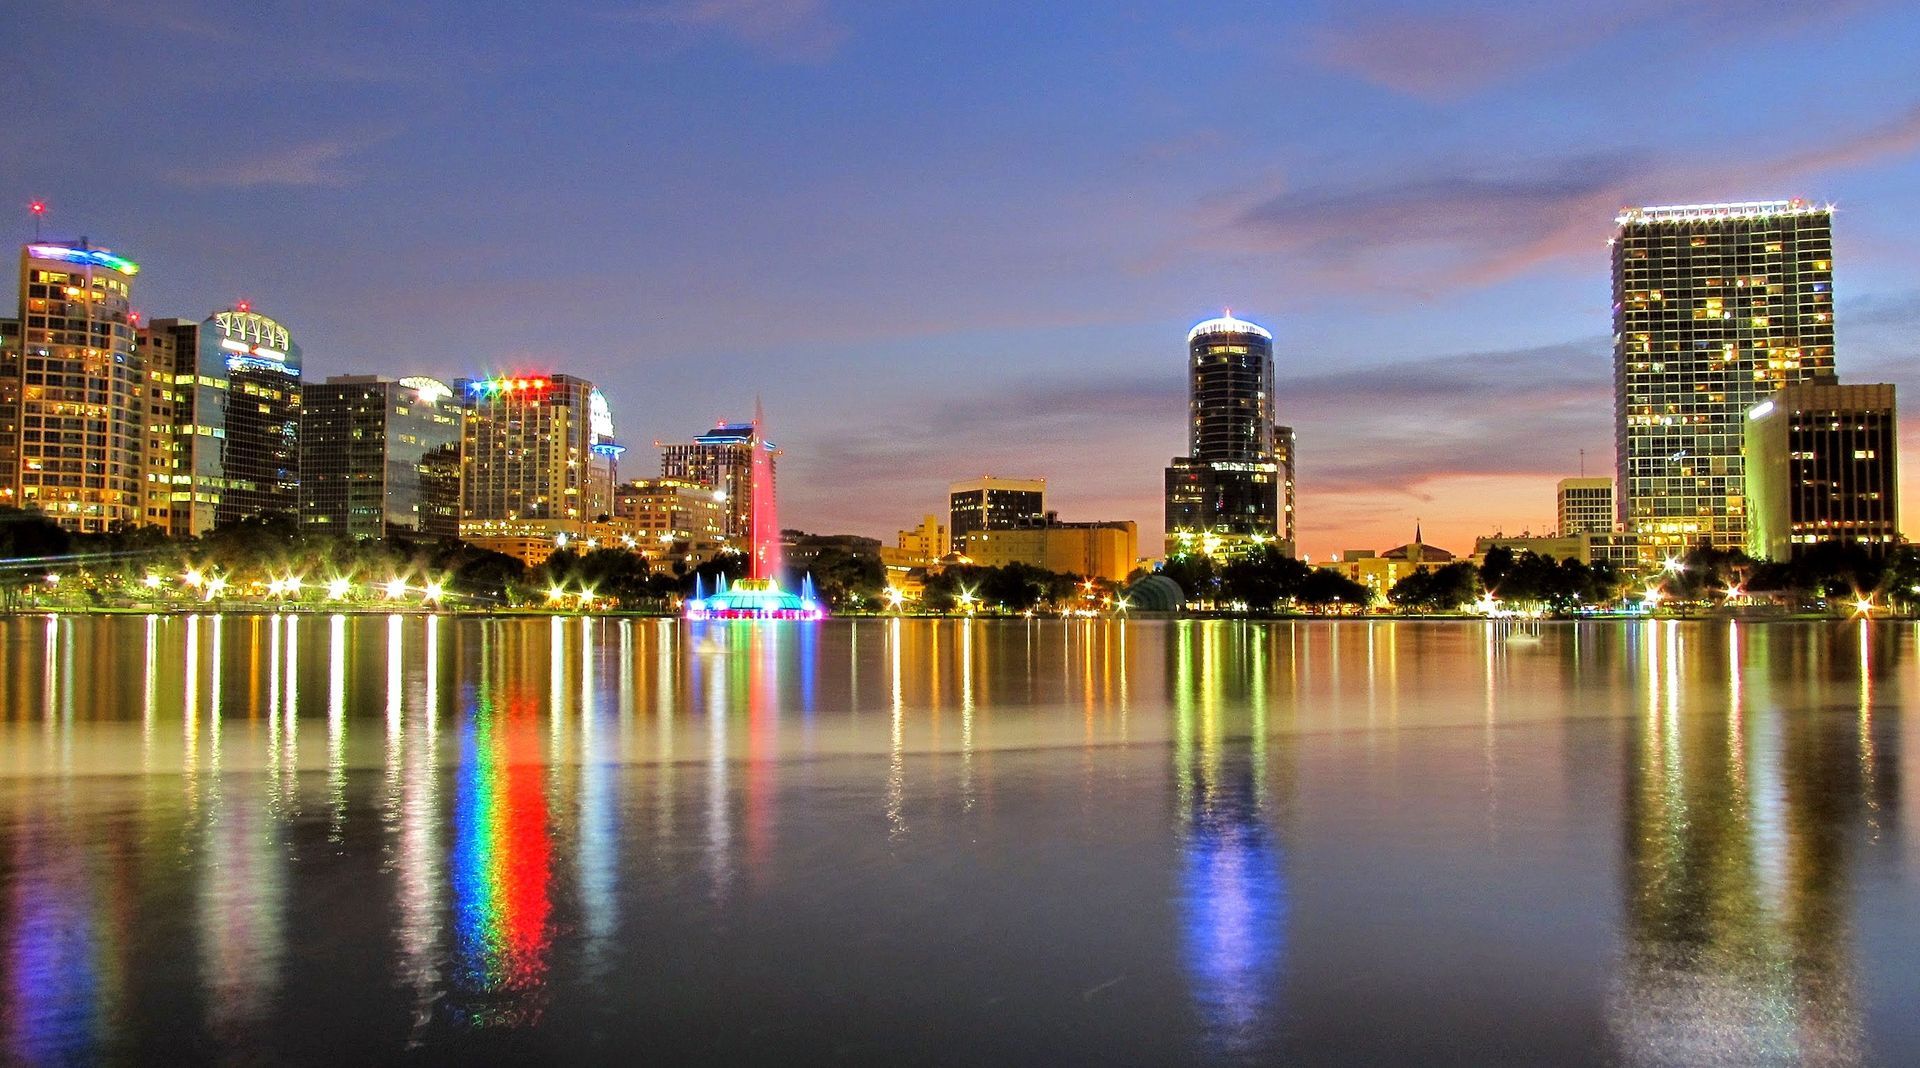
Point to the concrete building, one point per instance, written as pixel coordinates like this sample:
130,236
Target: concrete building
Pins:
1103,550
380,457
539,458
1225,496
676,522
1716,307
80,389
1585,505
225,407
1822,465
993,503
722,459
928,541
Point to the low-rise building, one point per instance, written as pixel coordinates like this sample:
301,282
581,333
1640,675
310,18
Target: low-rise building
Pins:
1378,572
1105,550
675,520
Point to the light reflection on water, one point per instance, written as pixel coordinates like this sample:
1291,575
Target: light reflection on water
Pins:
307,838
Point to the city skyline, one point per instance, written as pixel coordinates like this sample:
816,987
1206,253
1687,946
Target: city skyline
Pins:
1035,312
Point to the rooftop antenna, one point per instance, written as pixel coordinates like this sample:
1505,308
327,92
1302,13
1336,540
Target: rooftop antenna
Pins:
39,210
1583,463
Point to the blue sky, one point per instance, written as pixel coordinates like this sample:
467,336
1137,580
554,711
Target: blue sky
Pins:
944,240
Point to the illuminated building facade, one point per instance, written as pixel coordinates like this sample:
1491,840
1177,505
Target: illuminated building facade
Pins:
230,447
382,457
926,542
1715,308
81,389
673,520
1102,550
722,459
539,456
1585,505
1822,465
1285,447
1227,495
9,412
991,503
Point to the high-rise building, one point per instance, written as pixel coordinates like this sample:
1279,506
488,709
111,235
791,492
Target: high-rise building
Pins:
993,503
1716,307
230,446
1225,496
380,457
673,520
1585,505
1285,447
81,388
9,412
539,457
1822,466
721,459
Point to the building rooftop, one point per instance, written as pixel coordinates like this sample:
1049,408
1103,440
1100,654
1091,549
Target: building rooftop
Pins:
1748,209
1227,324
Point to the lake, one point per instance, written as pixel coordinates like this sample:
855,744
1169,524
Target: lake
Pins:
371,839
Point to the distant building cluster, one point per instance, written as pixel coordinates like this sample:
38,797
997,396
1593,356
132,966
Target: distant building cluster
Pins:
108,422
1732,430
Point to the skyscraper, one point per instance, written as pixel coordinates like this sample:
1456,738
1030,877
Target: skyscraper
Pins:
1225,497
1822,466
1585,505
230,446
992,503
1715,307
539,456
9,412
1285,448
380,457
81,388
722,459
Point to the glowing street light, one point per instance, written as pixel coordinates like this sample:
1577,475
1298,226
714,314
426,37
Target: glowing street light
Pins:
556,593
896,597
214,586
194,577
153,581
396,588
435,591
337,589
1864,606
1673,566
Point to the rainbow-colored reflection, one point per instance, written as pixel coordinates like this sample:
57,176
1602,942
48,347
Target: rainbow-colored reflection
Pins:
502,866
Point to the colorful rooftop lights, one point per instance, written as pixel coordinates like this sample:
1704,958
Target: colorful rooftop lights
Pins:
88,257
497,386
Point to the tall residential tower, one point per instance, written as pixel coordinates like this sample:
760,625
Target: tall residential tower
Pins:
1225,495
81,390
1715,308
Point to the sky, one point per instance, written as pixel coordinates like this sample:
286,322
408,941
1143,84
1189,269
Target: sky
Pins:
945,240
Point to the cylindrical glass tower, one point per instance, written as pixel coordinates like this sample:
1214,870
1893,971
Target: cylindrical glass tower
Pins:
1230,391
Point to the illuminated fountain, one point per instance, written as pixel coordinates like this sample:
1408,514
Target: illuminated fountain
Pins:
758,596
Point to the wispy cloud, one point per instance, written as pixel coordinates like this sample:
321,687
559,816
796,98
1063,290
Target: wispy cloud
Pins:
320,162
1448,54
798,30
1450,226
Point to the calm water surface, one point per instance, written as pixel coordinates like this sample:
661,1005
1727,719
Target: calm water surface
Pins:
349,840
